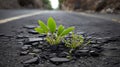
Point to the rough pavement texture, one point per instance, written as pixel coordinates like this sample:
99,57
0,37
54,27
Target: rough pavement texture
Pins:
98,27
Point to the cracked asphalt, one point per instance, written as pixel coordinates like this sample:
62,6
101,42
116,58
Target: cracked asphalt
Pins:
96,24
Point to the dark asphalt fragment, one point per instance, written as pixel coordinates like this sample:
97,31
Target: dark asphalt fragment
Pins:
22,53
33,40
97,47
40,47
57,60
1,34
63,54
36,51
21,36
34,60
42,35
30,26
35,43
81,33
24,48
79,53
52,55
32,32
94,53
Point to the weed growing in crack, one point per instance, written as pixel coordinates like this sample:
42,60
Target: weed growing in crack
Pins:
54,37
73,42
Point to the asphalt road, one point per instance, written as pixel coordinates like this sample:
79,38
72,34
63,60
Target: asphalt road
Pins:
96,24
102,24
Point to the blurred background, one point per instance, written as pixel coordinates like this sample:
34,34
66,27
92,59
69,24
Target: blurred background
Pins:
104,6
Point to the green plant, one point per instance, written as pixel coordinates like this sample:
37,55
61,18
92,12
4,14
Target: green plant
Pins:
73,42
54,34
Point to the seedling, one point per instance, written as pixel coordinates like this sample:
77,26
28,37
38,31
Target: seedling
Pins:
54,34
74,42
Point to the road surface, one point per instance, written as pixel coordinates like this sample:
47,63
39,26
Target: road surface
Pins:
12,21
100,23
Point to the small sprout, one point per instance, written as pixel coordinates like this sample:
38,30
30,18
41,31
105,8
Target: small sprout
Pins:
56,36
74,42
70,54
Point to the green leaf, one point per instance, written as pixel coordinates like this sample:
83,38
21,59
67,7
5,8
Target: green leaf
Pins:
51,25
60,29
67,31
43,26
39,30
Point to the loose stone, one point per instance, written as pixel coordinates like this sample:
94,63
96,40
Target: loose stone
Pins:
63,54
43,35
20,36
40,47
94,53
79,53
59,60
33,40
25,48
52,55
24,53
30,26
80,33
32,32
32,61
36,50
35,44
